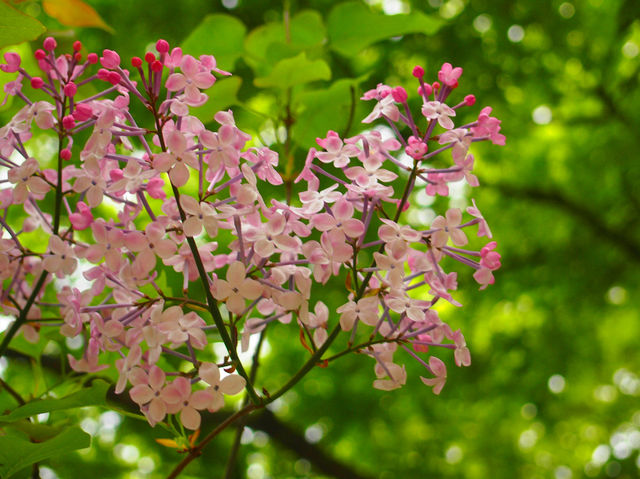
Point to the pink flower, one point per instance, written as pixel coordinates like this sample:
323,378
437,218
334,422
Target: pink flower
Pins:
488,126
175,160
489,258
13,62
449,75
236,288
179,327
385,107
365,310
341,220
439,370
193,78
180,399
461,140
152,394
484,277
448,228
61,260
25,180
127,366
483,226
434,110
336,151
416,148
229,385
462,355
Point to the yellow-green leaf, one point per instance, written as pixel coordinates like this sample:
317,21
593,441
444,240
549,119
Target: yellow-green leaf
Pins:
16,27
75,13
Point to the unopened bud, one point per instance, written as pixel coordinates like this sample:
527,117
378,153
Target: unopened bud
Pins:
70,89
37,82
68,122
49,44
162,46
399,94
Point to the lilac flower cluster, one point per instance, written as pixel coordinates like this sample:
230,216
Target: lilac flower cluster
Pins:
133,197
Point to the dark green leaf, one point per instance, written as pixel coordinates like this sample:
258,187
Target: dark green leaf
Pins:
17,453
94,395
353,26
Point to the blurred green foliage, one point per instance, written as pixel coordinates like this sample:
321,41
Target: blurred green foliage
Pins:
554,385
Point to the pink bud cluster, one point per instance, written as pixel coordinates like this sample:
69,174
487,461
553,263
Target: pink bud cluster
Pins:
135,201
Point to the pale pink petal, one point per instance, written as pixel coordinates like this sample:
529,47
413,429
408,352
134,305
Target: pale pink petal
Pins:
210,373
190,418
232,384
141,394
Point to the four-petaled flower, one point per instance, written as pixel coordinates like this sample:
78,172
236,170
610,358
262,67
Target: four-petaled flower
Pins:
236,288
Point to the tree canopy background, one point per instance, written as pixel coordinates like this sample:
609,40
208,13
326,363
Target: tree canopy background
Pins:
554,383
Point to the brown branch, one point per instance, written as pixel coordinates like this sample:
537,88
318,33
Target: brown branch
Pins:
620,238
291,439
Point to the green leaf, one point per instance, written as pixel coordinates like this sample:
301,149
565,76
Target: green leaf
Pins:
36,432
17,453
353,26
325,109
16,27
94,395
269,42
294,71
222,95
219,35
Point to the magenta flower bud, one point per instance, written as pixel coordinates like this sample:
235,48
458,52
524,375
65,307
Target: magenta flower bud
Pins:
154,188
13,63
110,59
418,71
399,94
68,122
136,62
156,66
470,100
116,174
149,57
49,44
37,82
426,91
82,112
103,74
92,58
162,46
39,54
77,46
70,89
78,57
436,85
65,153
113,78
